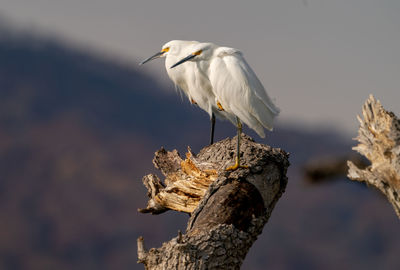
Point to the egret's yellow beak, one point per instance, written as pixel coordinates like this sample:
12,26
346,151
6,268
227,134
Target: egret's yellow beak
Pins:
157,55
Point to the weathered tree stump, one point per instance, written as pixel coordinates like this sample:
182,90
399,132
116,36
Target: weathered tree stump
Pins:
379,142
228,210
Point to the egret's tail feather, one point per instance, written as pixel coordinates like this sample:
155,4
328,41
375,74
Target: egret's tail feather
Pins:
251,122
263,113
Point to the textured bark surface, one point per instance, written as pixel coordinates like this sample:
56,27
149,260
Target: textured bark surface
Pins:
228,209
379,142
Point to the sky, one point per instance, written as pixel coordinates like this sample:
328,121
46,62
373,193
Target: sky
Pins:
318,59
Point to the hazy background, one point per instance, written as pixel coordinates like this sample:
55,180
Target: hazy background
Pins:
319,59
80,121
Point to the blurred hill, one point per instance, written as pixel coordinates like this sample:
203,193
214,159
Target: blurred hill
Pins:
77,133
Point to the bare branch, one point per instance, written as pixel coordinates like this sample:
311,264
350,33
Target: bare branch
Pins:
322,169
379,142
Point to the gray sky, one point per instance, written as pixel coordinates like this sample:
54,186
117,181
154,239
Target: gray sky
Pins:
318,59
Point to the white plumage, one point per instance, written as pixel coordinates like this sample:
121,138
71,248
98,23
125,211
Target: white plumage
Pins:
235,85
219,80
194,84
181,76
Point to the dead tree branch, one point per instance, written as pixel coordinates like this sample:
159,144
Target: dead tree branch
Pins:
379,142
228,209
329,168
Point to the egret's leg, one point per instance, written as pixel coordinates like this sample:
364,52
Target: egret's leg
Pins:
237,160
212,128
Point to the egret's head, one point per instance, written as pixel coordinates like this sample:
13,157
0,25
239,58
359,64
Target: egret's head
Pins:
198,52
173,47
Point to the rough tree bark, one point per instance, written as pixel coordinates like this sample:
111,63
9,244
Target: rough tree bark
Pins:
379,142
228,210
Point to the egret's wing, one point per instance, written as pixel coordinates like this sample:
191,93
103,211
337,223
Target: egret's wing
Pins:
238,88
255,84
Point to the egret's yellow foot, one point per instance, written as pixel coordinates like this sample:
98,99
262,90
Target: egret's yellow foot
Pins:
236,166
220,108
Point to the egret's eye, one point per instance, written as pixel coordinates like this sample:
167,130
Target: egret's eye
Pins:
198,52
165,50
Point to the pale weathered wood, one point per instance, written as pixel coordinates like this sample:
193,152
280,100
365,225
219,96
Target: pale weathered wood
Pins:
379,142
228,209
186,182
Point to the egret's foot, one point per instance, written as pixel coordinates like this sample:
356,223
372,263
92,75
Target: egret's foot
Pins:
236,166
220,108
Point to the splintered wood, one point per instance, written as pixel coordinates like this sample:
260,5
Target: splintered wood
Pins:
228,209
186,182
379,141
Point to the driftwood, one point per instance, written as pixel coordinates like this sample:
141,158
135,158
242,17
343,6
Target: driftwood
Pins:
228,210
379,142
329,168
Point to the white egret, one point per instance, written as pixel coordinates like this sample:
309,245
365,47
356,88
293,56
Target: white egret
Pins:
187,78
237,90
